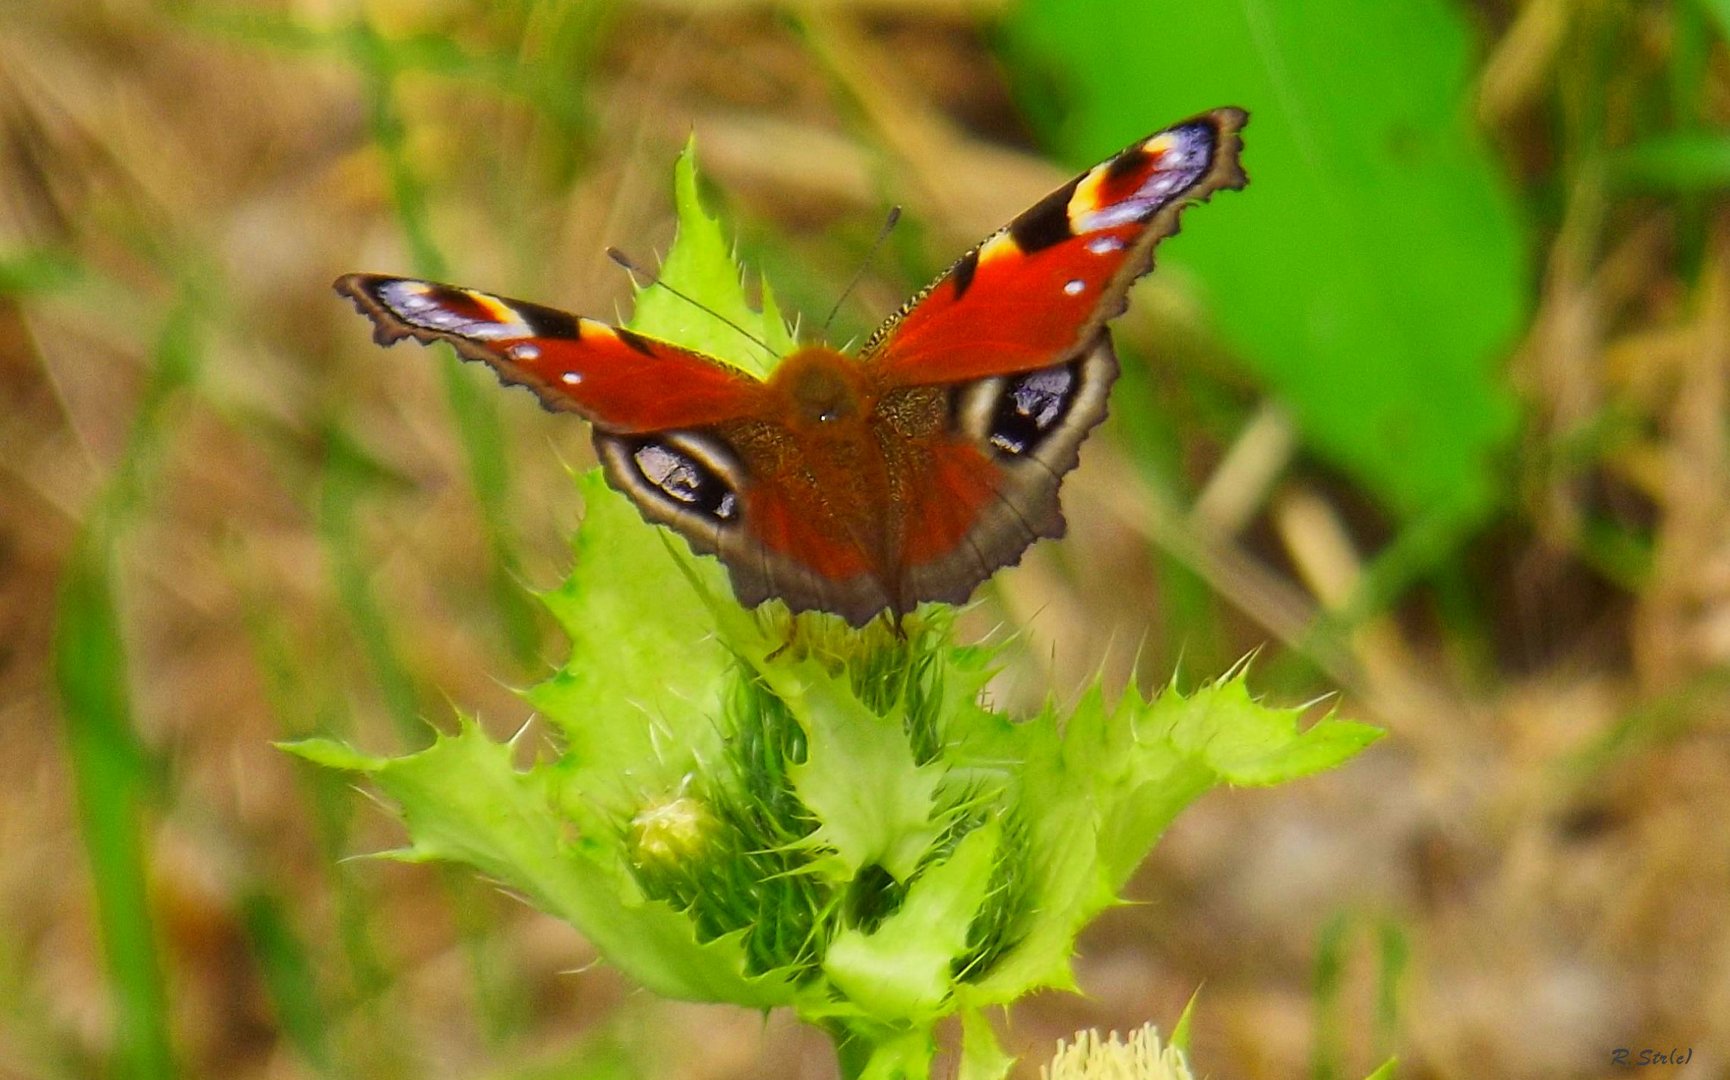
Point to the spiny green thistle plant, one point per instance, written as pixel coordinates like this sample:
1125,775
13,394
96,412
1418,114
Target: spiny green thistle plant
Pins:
746,807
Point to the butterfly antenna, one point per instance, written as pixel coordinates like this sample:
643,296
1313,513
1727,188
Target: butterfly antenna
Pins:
649,280
876,245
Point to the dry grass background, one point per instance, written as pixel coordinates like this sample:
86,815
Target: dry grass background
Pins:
1541,852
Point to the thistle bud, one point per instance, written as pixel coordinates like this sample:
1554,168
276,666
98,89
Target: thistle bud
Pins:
669,833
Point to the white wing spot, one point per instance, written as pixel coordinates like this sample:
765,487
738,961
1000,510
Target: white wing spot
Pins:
570,378
1074,287
1104,245
524,351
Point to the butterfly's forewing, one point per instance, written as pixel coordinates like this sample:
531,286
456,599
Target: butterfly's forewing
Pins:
1037,291
617,380
658,410
1016,330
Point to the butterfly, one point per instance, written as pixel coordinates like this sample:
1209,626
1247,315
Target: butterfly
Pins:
863,484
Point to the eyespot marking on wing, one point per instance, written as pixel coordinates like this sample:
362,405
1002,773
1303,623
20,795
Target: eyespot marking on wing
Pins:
1014,415
677,474
449,310
1030,406
1136,184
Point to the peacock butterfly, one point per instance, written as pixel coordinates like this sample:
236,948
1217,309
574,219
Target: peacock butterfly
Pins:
855,485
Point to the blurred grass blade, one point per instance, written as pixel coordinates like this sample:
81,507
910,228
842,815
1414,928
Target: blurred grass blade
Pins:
111,778
378,63
1719,10
1394,953
109,765
1329,1049
555,90
39,270
287,972
344,474
304,703
1679,161
344,471
476,412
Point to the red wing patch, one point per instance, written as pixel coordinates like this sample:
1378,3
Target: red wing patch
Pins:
951,495
1035,292
618,380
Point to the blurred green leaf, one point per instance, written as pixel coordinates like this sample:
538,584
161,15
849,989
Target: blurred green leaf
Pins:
1719,10
1374,271
1675,161
286,968
38,270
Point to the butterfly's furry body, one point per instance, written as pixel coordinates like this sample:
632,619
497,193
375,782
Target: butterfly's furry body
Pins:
872,485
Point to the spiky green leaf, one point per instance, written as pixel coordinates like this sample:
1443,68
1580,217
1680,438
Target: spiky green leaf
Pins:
700,265
464,801
903,969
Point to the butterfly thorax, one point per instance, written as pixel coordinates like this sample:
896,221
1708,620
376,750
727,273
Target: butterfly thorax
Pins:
813,447
819,387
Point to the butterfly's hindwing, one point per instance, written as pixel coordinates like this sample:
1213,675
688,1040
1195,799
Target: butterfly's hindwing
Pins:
1013,440
1020,415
